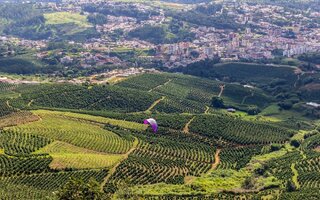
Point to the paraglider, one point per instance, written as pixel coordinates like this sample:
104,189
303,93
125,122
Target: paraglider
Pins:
153,123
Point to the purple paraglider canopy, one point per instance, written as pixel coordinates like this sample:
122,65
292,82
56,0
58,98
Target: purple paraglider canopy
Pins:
152,123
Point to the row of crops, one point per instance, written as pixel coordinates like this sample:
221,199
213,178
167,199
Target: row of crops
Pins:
309,170
5,109
18,143
145,82
239,131
39,157
25,174
83,134
16,191
162,158
81,97
12,166
16,118
312,142
175,105
260,74
173,121
43,185
53,180
309,193
179,88
281,167
183,94
237,157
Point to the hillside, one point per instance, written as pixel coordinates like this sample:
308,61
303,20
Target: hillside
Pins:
51,132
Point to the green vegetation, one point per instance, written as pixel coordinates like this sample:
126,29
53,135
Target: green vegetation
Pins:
19,66
174,32
92,98
208,184
65,18
56,179
196,16
311,58
88,135
78,189
239,131
255,73
237,157
65,155
227,130
51,132
166,158
16,143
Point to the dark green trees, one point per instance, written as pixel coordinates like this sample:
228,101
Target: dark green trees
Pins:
217,102
77,189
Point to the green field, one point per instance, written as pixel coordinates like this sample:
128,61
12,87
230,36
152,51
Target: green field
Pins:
68,156
51,132
88,135
65,18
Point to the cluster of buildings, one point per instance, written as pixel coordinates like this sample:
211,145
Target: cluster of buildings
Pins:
259,40
260,36
9,44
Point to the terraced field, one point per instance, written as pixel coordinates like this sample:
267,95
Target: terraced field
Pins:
239,131
88,135
158,160
190,94
65,156
51,132
37,155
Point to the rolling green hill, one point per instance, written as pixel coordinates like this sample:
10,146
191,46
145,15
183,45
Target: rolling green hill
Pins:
51,132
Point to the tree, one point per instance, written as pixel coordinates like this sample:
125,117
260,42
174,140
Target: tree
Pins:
217,102
125,191
277,52
77,189
248,183
295,143
290,186
286,105
97,19
153,34
195,54
253,110
3,49
275,147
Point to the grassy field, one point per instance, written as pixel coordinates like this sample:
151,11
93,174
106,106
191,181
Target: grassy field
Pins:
103,120
69,156
273,111
65,18
211,183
